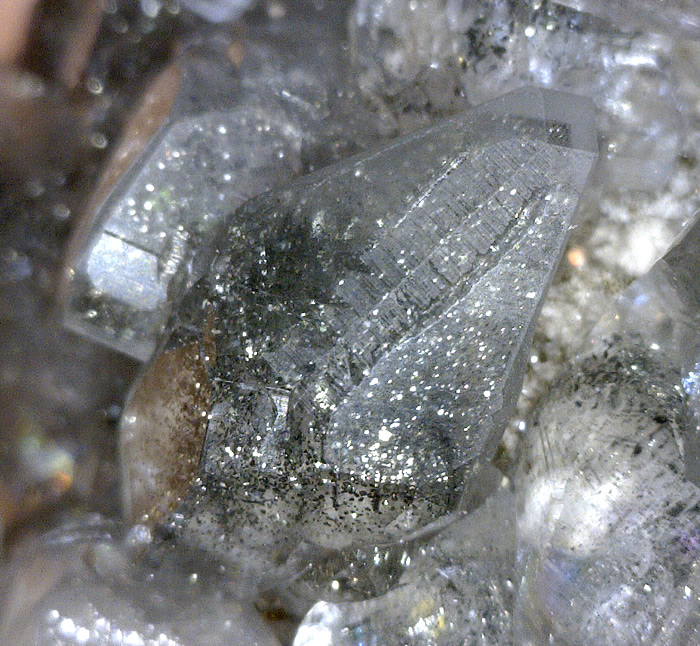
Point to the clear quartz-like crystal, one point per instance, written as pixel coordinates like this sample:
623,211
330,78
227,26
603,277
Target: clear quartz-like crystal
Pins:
89,583
455,589
608,527
314,468
677,16
234,131
433,56
372,323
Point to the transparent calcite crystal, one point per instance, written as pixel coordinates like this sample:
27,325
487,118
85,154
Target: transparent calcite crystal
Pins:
608,520
371,326
216,10
418,58
456,589
92,581
233,132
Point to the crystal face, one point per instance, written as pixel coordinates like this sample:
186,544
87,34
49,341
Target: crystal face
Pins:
456,589
98,591
233,132
217,10
430,56
675,15
608,524
372,321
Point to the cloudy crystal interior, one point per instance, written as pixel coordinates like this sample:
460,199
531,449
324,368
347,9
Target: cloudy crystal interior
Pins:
354,323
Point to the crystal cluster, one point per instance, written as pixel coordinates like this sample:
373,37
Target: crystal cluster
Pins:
233,132
370,344
457,588
372,318
93,589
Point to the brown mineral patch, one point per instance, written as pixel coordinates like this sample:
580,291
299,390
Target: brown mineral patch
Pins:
163,431
15,18
79,42
236,53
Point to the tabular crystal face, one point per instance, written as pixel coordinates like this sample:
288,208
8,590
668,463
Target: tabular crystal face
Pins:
372,321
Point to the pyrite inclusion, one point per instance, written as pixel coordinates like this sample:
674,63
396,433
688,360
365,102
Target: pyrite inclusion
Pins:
373,320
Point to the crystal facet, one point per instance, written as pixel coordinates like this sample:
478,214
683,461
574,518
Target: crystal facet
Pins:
455,589
233,132
95,587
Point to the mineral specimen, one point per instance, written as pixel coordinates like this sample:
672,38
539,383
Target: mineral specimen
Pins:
372,322
608,522
677,16
432,56
91,586
302,512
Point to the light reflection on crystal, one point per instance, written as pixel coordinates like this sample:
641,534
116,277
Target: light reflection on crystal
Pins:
370,343
102,592
302,531
455,589
233,132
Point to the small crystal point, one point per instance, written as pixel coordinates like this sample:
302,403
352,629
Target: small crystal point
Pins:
681,264
373,319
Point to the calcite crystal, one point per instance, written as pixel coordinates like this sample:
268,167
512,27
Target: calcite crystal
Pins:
313,456
91,586
233,132
456,589
609,500
372,324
